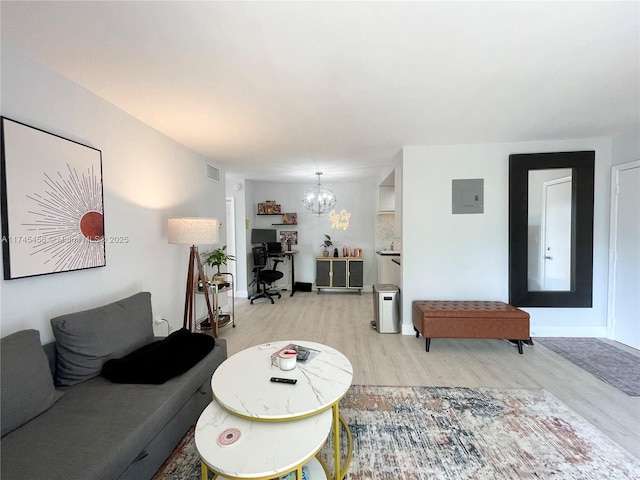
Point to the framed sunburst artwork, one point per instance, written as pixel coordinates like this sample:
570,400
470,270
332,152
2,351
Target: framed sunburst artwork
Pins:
52,203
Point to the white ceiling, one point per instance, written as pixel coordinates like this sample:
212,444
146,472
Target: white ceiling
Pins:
278,90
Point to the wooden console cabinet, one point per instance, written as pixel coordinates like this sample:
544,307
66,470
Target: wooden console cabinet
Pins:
345,273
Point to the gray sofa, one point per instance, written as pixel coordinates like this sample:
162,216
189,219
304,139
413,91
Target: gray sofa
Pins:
61,419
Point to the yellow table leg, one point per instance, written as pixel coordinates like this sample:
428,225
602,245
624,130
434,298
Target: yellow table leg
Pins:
339,472
336,441
204,472
347,462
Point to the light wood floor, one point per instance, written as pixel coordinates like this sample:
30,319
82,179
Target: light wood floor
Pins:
342,320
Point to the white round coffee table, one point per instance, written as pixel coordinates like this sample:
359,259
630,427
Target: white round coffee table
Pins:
263,450
241,386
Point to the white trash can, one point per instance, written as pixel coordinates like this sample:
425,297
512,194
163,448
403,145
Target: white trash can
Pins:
386,318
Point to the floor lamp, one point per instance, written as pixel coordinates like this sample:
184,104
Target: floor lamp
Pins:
193,231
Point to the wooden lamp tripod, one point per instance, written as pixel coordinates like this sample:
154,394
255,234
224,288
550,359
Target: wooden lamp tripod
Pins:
193,231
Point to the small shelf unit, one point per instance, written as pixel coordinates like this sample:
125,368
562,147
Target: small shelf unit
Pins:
222,284
283,215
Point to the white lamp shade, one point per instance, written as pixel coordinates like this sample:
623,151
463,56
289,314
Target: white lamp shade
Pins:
193,230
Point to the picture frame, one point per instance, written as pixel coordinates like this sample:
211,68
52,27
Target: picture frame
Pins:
52,203
286,235
290,218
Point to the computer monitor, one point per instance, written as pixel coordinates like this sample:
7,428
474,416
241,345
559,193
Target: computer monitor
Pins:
263,235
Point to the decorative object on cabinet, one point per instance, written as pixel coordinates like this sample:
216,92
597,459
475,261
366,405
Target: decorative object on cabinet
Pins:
216,258
326,244
52,203
193,231
340,273
319,200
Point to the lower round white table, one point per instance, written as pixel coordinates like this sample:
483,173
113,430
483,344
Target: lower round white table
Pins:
241,386
263,450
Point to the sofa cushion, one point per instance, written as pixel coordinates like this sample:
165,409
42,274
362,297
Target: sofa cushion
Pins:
160,361
86,340
26,382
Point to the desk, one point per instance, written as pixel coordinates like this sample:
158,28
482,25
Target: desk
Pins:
291,255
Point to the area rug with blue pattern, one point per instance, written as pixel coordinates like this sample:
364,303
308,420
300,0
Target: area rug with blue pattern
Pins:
447,433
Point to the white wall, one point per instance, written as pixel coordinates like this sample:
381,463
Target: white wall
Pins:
147,179
465,257
236,188
359,199
625,148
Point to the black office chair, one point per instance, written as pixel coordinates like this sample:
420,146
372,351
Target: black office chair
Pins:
263,277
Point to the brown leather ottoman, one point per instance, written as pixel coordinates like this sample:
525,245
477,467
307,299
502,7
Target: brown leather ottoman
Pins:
470,319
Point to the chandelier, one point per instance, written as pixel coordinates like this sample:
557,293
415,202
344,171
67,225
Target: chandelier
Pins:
319,200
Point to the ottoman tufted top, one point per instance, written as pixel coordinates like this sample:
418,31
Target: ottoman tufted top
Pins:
468,308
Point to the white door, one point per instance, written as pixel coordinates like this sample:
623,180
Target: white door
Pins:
624,259
231,237
556,235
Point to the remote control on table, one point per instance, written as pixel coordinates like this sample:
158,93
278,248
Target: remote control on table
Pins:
292,381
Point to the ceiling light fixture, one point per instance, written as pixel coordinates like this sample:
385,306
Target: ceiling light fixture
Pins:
319,200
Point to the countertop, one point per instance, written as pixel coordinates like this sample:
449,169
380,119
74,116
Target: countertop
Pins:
393,253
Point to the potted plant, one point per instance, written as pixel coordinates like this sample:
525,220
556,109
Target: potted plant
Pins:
326,244
216,258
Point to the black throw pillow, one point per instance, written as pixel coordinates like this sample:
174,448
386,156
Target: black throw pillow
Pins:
159,361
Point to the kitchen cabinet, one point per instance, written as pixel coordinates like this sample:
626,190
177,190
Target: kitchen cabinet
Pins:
386,199
339,273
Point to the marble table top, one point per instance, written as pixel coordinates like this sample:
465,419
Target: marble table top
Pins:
241,384
264,449
315,470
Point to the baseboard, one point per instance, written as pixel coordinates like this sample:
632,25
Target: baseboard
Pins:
407,329
549,331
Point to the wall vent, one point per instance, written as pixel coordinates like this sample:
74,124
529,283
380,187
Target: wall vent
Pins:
213,173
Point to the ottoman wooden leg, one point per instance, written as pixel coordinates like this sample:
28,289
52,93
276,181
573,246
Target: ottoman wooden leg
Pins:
417,332
428,343
520,347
